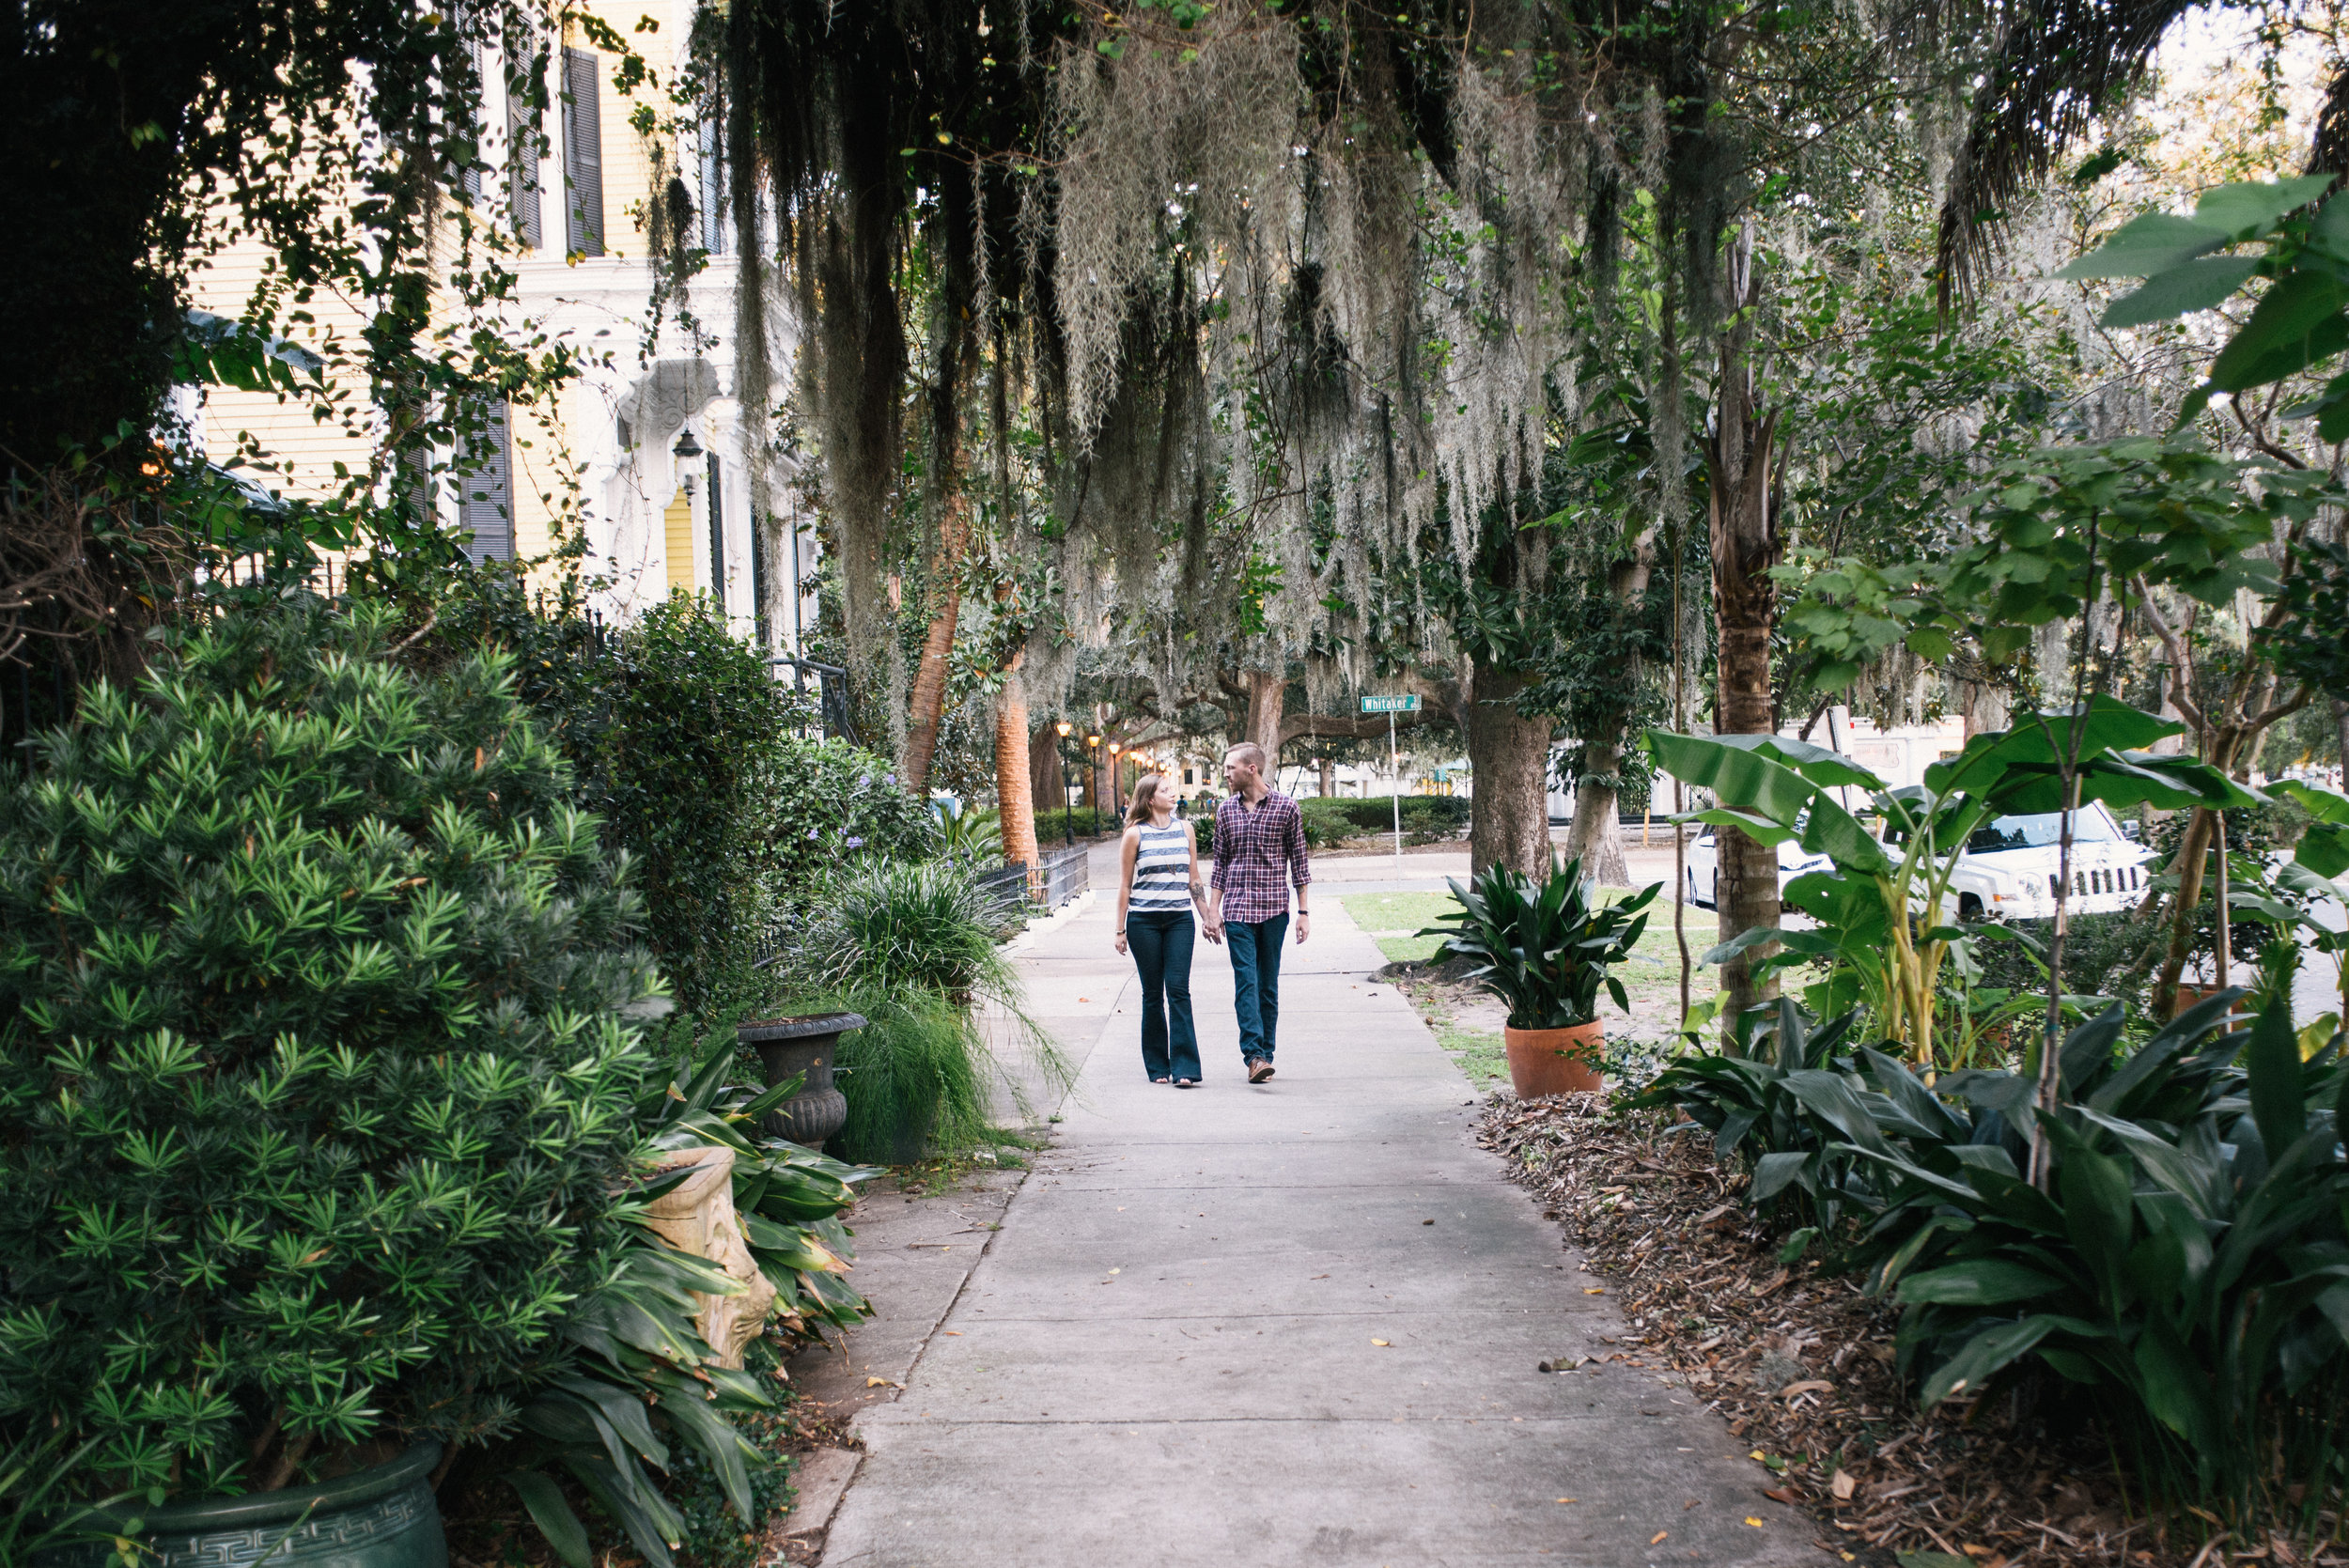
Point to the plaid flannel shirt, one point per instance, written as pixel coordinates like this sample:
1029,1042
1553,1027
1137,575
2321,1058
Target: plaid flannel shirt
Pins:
1252,848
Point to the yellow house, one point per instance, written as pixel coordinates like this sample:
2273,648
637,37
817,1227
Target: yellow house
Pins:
651,437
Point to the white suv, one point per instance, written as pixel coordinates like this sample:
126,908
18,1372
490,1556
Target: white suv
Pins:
2009,872
1705,868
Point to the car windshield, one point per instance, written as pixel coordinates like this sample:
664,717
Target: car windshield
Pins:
2039,830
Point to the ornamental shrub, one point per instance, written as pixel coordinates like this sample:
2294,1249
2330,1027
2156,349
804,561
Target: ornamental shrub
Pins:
313,1089
680,738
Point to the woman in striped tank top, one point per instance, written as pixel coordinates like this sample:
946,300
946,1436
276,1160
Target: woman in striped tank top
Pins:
1157,889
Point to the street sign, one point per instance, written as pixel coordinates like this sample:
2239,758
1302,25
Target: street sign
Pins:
1406,703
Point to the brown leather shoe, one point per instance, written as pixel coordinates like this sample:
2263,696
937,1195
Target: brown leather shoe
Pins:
1259,1070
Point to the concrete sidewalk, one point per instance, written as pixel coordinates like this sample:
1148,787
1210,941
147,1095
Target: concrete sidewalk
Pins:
1294,1322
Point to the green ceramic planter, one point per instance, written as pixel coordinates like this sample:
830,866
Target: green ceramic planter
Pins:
379,1517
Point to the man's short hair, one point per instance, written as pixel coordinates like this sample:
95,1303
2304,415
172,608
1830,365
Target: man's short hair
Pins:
1249,752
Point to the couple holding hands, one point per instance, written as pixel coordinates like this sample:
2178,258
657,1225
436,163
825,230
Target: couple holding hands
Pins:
1259,854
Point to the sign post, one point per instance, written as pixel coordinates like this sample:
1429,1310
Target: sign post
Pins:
1406,703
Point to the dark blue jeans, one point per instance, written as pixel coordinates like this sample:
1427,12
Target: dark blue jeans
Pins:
1161,941
1255,946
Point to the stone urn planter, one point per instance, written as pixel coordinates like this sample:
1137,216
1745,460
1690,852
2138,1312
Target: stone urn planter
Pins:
803,1047
382,1516
1555,1061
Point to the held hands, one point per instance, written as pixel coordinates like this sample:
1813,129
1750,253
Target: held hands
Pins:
1212,930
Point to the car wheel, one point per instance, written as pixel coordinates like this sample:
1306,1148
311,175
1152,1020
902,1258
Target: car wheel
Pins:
1969,908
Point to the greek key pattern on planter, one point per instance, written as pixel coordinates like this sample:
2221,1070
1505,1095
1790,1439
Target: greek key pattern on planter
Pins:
323,1539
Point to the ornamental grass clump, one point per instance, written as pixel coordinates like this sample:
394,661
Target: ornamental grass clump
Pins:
910,945
316,1100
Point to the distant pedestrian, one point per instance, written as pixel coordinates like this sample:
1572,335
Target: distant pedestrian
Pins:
1157,884
1259,855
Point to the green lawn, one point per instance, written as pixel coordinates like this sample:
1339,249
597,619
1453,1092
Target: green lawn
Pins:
1390,918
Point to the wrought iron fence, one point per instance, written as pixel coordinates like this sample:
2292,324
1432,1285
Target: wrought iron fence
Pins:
834,703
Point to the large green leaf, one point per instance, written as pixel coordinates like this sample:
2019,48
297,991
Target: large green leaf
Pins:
1776,1171
553,1515
2297,324
1993,1349
2148,243
2175,1389
2190,286
1836,833
1738,775
2325,847
2279,1105
1977,1282
2248,208
2046,739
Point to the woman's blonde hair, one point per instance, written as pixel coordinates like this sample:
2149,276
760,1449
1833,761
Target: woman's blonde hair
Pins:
1145,787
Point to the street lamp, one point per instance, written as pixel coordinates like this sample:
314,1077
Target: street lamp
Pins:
1093,745
1059,757
1117,776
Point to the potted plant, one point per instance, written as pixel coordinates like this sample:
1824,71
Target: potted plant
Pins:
1544,950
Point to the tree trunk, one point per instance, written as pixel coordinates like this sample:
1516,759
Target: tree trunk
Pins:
1596,835
1983,707
927,708
1509,755
1267,693
1014,799
1744,485
1045,766
1329,784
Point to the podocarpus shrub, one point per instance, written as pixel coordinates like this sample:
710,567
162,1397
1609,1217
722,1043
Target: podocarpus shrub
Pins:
313,1090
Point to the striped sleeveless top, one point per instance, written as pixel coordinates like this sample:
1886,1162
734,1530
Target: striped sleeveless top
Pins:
1161,871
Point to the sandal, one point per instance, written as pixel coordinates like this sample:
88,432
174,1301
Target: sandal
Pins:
1186,1083
1161,1081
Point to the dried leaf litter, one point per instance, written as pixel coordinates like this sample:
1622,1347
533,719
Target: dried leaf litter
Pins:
1798,1360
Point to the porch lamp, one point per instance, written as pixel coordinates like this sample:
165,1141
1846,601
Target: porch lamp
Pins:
1060,758
685,451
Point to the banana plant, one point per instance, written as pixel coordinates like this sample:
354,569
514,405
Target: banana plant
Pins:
1881,911
642,1378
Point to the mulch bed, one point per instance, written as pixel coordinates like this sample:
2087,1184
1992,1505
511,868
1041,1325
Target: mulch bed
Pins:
1798,1361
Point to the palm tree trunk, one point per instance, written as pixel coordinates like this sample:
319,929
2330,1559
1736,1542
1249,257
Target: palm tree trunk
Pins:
1744,481
1016,801
928,704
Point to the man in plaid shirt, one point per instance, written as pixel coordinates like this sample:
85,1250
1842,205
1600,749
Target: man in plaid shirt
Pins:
1259,835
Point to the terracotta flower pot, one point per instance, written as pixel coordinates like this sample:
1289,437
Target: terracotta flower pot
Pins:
1555,1061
